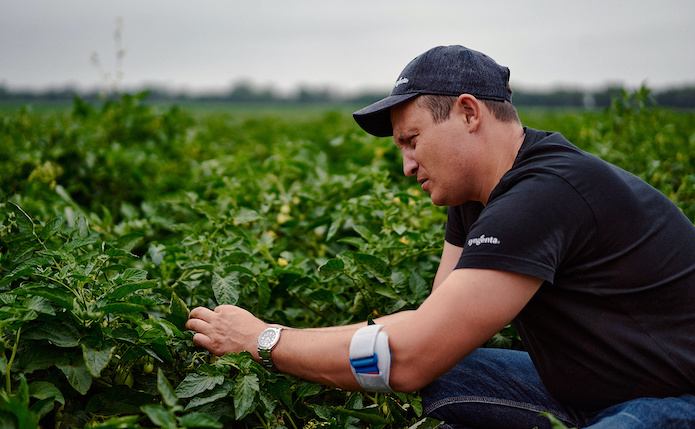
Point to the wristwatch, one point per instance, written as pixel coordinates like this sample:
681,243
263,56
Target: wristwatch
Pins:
266,341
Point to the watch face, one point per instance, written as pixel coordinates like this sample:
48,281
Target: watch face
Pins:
267,338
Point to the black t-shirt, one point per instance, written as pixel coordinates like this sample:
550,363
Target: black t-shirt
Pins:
615,317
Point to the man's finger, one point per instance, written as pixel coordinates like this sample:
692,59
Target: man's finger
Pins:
196,324
201,340
201,313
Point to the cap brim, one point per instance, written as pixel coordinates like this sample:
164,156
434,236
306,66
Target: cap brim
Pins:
376,118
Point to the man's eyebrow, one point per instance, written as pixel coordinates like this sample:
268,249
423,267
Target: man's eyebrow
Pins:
405,136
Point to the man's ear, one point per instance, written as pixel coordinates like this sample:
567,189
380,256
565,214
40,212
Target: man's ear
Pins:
470,109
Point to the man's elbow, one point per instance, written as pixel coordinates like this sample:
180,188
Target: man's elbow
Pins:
407,375
408,385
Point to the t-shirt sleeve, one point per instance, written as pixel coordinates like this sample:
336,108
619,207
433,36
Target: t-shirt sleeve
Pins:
459,221
533,228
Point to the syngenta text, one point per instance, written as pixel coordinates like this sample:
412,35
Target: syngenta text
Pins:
483,240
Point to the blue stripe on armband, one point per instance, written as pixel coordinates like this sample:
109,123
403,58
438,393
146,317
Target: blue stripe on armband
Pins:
366,365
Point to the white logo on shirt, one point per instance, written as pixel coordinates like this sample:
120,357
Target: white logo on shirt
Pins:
483,240
400,81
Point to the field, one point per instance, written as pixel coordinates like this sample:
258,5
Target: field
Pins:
117,219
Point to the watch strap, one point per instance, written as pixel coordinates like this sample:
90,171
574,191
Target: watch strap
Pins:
264,353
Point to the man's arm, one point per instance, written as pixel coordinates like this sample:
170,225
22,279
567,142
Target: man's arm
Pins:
450,257
468,308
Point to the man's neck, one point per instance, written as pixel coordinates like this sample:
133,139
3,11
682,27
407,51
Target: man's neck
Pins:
507,139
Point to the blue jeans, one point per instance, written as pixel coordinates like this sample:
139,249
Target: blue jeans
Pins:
499,388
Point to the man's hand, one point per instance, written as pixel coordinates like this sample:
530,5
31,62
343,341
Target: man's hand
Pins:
225,330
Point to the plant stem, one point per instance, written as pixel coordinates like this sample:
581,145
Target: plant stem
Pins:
289,417
265,423
8,369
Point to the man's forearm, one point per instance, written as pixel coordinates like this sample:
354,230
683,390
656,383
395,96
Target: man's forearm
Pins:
322,354
387,320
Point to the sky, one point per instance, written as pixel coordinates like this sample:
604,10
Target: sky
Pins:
356,45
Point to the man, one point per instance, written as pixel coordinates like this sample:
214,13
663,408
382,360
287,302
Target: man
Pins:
595,268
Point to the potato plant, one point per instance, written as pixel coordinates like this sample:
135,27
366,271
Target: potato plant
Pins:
117,219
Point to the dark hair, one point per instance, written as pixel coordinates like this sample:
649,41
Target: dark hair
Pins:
440,107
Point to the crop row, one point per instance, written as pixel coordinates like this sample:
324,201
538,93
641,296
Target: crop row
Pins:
117,219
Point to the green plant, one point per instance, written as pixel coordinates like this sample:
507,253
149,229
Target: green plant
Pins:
117,219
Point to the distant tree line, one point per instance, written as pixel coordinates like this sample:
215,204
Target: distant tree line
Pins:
245,92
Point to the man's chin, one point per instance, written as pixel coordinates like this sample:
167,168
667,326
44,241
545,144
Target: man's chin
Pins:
445,202
437,202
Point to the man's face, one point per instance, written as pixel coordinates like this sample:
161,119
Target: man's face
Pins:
442,156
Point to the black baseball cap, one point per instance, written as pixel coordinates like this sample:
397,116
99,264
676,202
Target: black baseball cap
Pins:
444,70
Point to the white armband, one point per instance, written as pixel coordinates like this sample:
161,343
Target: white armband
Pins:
370,358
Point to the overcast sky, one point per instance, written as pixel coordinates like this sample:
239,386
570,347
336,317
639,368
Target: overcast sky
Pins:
349,45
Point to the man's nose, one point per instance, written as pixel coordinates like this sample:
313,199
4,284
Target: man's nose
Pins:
410,166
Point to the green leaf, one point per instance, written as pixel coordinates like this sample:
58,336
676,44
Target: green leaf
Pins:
557,423
226,289
426,423
23,390
40,305
125,334
97,359
417,284
24,222
127,289
76,373
354,241
218,392
157,253
128,241
121,422
178,312
168,395
198,265
164,325
245,215
333,229
399,228
42,407
235,360
16,274
162,351
59,296
160,416
199,420
307,388
122,307
374,265
332,266
195,384
363,232
240,268
280,390
245,394
59,334
132,275
264,293
51,228
21,416
386,291
40,357
46,390
366,415
322,295
322,411
75,244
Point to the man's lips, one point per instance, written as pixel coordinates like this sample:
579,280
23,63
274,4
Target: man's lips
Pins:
423,182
